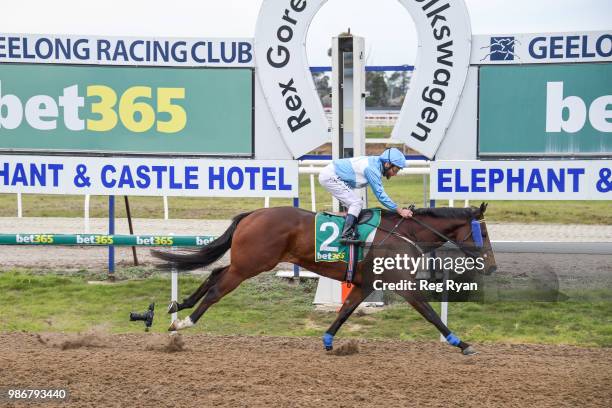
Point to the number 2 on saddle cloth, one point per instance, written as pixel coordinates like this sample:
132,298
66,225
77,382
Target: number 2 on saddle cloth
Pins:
329,247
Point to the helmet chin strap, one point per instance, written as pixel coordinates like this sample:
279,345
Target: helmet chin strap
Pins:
385,171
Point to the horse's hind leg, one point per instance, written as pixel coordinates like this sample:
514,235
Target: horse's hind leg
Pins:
425,309
354,299
199,293
228,279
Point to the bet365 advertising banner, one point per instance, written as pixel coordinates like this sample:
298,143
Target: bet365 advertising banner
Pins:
82,109
560,110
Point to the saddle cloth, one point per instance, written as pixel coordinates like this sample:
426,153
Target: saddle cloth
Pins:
328,229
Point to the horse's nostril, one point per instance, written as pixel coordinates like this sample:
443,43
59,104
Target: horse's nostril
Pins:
492,269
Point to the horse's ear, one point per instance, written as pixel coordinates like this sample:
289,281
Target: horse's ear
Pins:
483,208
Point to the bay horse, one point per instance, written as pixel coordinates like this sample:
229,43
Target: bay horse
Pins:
263,238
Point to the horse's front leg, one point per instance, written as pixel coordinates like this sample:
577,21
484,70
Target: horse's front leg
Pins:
425,309
354,299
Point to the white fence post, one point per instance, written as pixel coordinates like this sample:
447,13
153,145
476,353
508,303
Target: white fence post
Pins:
313,196
444,317
425,190
174,285
19,206
86,213
166,211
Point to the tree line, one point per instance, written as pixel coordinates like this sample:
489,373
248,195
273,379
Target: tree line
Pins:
387,90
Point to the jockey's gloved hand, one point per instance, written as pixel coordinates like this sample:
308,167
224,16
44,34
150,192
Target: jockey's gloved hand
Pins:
404,212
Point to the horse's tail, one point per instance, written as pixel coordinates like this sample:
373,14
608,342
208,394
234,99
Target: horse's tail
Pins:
204,256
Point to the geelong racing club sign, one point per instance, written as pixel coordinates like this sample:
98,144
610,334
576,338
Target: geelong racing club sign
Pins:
588,46
138,51
444,46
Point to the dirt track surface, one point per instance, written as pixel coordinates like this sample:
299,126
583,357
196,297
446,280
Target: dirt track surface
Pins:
135,370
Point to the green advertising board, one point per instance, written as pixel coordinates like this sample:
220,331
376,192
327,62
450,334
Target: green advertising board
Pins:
133,110
545,110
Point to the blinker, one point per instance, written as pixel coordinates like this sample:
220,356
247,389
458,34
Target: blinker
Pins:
477,234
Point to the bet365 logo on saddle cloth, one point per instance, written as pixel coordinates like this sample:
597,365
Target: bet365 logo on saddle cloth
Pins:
328,229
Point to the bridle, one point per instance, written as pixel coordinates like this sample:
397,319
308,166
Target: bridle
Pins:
460,244
475,231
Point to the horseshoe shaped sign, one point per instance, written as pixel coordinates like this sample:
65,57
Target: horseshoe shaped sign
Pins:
444,45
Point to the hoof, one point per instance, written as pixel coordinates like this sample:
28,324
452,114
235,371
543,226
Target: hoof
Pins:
328,341
173,307
179,324
469,351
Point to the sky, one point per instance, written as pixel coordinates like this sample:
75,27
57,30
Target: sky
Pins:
385,24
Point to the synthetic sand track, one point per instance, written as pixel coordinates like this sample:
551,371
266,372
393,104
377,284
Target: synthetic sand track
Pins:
134,370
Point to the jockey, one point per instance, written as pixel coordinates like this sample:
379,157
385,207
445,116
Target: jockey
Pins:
343,175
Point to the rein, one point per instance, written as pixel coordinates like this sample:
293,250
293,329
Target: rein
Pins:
445,238
392,232
459,244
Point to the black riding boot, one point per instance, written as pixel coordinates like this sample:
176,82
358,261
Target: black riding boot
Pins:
350,228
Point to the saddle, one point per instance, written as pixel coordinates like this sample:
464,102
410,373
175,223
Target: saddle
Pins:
330,247
364,216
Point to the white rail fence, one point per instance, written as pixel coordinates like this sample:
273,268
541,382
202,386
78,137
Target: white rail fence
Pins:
311,167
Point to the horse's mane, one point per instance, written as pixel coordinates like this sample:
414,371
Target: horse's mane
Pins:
441,212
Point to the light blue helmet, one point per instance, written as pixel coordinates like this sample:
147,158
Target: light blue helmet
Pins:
393,156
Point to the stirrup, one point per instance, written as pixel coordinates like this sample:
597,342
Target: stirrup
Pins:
351,237
351,241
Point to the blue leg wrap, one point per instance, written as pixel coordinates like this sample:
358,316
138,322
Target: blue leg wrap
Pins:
328,341
453,340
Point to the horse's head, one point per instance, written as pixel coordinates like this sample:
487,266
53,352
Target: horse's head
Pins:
464,227
473,238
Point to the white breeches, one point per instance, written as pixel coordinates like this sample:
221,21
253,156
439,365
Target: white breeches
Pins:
340,190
